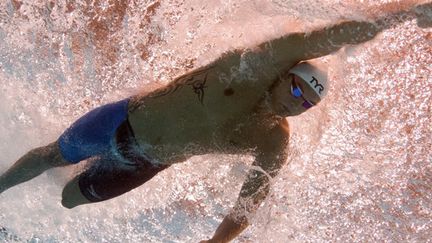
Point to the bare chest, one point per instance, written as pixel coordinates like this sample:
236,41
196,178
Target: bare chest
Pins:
178,134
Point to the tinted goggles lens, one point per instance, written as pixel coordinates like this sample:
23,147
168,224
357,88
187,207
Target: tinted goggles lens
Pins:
306,104
295,90
298,93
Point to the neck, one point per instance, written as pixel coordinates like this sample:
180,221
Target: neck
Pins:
263,111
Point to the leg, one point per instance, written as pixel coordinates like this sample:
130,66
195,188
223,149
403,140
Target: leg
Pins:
107,179
31,165
72,196
91,136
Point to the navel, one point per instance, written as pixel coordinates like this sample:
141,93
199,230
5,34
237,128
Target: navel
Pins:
228,92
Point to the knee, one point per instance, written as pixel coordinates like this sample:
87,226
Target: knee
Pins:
67,197
72,196
67,203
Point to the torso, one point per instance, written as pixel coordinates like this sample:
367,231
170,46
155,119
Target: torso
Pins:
199,114
176,135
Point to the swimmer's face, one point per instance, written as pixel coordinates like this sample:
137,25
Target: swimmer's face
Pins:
293,96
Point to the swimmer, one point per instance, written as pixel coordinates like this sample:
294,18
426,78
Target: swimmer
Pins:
236,104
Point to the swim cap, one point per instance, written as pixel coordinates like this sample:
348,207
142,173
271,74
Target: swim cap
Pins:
315,76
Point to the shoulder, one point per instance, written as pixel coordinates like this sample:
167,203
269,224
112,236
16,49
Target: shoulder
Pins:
271,150
283,126
275,137
271,136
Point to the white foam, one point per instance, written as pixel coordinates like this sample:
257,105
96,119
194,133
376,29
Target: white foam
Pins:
360,169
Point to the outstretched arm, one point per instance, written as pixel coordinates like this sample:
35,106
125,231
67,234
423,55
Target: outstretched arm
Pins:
270,158
324,41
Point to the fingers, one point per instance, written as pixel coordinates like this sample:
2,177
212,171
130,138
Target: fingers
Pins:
423,13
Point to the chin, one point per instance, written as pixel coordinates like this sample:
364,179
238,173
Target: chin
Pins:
284,111
292,113
284,114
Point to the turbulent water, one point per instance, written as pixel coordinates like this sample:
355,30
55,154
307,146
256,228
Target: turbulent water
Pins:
360,163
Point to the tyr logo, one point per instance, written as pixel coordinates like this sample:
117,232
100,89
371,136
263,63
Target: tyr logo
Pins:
314,83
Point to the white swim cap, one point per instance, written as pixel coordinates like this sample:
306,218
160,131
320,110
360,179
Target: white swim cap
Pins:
315,76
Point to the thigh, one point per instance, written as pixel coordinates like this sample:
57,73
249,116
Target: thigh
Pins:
110,178
51,155
93,133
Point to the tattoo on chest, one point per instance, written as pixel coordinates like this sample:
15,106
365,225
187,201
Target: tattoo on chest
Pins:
198,87
196,80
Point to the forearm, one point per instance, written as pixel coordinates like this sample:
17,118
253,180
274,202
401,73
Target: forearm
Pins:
252,195
229,229
326,40
350,32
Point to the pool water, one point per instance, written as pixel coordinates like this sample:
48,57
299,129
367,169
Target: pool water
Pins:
360,165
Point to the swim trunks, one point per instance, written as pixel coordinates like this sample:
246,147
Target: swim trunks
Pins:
93,133
105,136
131,169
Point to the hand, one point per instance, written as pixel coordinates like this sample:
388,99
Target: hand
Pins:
211,241
206,241
424,15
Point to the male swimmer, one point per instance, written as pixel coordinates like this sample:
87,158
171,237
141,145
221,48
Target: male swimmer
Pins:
236,104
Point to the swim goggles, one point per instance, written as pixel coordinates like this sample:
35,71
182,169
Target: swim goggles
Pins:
298,93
